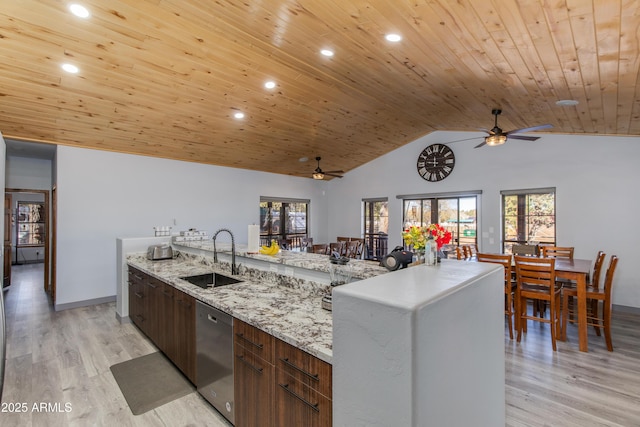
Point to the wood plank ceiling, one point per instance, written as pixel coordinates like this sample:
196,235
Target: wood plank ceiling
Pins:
165,77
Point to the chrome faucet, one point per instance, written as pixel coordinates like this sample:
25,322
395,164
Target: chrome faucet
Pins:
234,269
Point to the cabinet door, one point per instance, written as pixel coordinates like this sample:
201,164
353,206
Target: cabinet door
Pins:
298,404
304,367
153,307
137,299
185,334
166,332
253,389
253,339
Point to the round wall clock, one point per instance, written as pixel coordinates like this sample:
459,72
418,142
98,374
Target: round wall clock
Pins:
436,162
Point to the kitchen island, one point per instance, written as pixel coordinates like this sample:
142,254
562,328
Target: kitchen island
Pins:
407,347
290,311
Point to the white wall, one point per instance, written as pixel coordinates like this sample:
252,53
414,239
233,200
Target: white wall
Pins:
103,196
28,173
595,180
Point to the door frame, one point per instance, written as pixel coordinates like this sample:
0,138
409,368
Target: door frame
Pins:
47,231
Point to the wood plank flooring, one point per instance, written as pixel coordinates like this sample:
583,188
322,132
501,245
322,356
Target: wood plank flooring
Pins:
64,357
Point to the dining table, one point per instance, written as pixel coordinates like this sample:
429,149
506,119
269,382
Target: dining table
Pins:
577,270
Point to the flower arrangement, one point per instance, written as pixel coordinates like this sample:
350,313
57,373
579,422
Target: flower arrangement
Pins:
440,234
415,236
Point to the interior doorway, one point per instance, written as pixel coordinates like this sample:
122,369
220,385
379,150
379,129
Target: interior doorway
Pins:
29,231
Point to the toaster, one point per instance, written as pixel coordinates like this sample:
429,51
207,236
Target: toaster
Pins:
158,252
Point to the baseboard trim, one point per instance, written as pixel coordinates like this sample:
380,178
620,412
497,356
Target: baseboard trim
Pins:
625,309
85,303
125,319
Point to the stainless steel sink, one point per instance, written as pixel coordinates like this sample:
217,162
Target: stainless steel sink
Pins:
210,280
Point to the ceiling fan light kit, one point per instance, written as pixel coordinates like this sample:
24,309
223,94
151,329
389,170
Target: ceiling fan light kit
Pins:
320,174
495,140
498,137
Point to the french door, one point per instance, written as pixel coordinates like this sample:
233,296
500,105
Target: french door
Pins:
457,214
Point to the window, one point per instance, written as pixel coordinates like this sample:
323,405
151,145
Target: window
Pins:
30,224
376,227
528,217
284,220
455,212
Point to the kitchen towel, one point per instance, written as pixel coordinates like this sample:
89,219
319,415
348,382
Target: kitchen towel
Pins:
253,240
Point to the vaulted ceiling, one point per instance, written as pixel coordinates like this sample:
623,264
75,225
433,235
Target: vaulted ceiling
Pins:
165,77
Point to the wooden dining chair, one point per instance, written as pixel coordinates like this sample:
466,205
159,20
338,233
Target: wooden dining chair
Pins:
535,280
466,250
320,248
459,253
509,285
596,318
306,243
353,249
339,247
593,281
565,252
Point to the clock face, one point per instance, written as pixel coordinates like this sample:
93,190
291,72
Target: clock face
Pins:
436,162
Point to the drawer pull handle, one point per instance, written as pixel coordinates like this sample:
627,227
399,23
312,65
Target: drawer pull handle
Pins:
314,377
167,294
139,295
138,316
152,285
255,344
300,398
243,360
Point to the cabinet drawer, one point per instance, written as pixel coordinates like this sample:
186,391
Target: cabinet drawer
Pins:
136,276
304,367
253,339
300,405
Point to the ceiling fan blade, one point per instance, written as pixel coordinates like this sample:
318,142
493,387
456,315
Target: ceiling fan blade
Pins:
460,140
333,175
486,131
330,172
481,144
531,129
524,138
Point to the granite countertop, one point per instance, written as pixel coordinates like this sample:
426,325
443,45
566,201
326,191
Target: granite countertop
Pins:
292,314
361,269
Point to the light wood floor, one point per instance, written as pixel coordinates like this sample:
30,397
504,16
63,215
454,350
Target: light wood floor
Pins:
64,357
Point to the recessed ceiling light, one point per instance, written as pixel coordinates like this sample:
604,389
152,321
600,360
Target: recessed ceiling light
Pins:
393,37
270,84
567,102
79,10
70,68
303,159
238,115
326,52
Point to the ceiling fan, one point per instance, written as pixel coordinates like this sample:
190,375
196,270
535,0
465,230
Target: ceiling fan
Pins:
498,137
320,174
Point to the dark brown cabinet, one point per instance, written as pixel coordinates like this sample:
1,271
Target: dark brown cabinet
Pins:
253,376
184,333
277,384
137,299
302,388
167,316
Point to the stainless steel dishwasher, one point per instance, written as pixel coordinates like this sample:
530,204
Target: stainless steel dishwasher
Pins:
214,347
